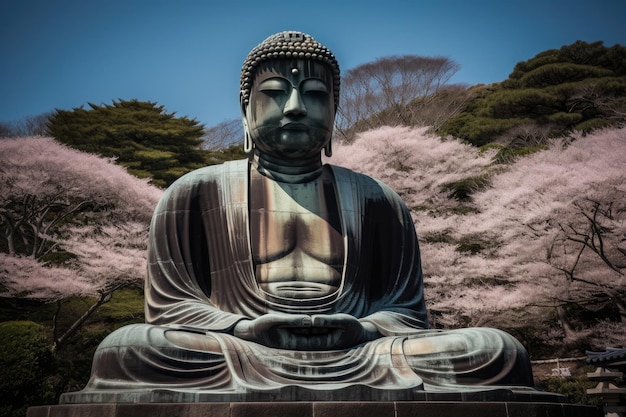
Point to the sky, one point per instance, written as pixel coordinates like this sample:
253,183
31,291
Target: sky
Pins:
186,55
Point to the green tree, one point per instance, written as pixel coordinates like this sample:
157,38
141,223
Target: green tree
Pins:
581,86
143,137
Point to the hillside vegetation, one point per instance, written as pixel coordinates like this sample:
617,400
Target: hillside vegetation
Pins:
579,87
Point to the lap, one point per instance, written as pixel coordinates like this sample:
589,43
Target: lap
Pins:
462,356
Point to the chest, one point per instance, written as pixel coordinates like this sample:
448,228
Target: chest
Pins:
285,217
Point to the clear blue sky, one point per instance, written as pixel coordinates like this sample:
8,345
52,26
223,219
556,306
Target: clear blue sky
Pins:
186,54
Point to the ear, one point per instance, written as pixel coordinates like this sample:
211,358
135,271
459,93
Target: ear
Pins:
242,106
244,121
244,111
248,145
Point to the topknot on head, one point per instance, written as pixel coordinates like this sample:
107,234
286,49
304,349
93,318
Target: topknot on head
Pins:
287,45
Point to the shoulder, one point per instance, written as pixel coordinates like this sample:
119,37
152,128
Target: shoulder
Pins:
370,186
212,173
206,180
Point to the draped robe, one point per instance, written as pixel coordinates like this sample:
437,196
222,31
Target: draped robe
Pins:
201,281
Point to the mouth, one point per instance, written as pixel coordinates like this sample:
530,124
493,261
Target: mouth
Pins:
294,126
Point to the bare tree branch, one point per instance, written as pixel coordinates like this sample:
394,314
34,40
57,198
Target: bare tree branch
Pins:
377,93
104,297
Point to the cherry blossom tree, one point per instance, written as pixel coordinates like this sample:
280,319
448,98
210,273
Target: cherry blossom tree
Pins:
72,224
543,236
560,214
23,276
61,211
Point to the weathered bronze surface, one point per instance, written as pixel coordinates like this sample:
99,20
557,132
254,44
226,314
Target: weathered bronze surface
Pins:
279,274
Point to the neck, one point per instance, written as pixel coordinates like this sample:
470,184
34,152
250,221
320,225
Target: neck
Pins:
287,171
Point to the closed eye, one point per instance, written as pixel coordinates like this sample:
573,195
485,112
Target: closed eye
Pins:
313,86
274,86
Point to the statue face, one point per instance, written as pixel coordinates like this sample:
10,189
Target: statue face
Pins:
291,111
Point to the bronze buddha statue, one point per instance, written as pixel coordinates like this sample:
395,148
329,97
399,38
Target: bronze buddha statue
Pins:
278,271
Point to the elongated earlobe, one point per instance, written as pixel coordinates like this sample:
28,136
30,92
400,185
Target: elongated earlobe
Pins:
328,149
248,144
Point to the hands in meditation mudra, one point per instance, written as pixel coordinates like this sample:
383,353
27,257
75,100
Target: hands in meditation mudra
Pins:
279,271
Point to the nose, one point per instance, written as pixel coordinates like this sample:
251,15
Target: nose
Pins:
294,105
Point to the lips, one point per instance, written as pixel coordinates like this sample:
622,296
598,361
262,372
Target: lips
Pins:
294,126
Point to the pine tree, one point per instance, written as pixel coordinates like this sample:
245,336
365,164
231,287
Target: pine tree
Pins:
143,137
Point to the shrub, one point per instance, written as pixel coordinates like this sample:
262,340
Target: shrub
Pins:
557,89
26,363
463,189
575,388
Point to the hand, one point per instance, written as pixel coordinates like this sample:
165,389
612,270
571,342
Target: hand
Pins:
344,330
303,332
272,329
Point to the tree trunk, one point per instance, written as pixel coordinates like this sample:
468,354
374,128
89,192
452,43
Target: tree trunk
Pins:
11,243
570,333
59,341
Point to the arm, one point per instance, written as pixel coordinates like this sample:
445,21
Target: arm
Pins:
384,283
178,287
402,308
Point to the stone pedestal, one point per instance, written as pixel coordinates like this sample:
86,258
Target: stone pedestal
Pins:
319,409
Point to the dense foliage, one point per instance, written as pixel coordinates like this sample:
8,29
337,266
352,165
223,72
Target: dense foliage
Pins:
26,365
581,87
150,142
30,372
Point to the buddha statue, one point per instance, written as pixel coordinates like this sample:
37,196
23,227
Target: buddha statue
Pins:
279,273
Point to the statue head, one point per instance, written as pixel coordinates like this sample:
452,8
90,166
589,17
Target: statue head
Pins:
287,45
289,95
